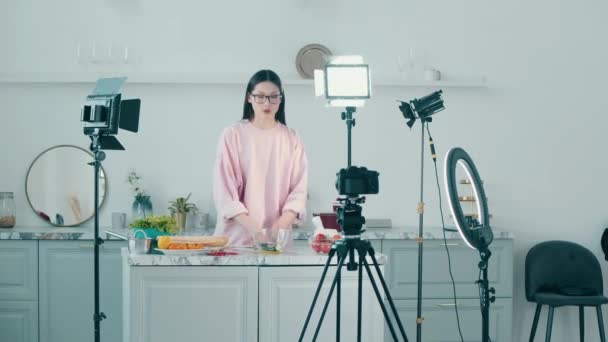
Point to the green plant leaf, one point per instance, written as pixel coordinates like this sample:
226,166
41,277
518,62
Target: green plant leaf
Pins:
181,205
163,223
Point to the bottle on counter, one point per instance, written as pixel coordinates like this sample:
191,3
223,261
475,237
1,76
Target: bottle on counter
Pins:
7,210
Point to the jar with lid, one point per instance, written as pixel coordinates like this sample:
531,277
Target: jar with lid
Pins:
7,210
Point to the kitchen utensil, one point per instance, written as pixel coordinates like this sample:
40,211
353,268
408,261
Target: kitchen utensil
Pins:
136,245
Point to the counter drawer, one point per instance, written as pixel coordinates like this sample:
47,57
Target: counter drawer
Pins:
18,270
402,268
440,320
19,321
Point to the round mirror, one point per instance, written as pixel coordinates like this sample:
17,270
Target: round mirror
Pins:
60,186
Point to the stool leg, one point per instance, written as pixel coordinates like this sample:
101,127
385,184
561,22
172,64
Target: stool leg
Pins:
600,322
535,322
549,324
581,322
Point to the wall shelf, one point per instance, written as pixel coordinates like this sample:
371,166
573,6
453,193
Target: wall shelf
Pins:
206,79
470,83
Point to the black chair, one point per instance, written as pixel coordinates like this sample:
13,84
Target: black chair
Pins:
560,273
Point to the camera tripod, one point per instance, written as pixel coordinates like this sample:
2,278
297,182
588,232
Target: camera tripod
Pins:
353,182
345,249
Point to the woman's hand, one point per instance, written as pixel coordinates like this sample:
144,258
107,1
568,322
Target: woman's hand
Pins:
285,221
248,223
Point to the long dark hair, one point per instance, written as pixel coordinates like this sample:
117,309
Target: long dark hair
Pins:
259,77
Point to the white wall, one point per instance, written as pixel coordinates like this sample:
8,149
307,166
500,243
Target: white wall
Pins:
535,134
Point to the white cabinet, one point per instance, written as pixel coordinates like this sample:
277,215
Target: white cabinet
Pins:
439,323
18,270
402,268
67,293
182,303
19,321
19,291
286,294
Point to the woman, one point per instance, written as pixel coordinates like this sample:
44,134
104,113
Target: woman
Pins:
261,170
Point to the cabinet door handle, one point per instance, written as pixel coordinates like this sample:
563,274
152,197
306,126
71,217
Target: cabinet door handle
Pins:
450,244
444,305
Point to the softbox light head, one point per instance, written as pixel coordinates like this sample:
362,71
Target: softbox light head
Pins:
476,232
422,108
344,82
105,112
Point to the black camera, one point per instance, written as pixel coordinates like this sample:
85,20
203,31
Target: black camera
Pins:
355,181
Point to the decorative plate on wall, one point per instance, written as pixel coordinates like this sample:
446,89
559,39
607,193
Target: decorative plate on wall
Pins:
311,57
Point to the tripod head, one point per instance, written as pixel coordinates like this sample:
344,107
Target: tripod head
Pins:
349,215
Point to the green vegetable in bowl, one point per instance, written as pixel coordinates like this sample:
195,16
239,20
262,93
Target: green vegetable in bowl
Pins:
269,247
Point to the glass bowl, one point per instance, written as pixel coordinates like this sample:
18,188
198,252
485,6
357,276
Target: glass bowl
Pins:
272,240
321,242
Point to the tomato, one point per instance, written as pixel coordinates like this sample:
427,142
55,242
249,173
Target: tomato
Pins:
325,247
337,237
320,237
316,246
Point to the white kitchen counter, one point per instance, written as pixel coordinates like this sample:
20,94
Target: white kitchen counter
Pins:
245,257
303,233
253,296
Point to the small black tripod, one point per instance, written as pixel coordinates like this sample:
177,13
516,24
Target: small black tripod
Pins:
352,182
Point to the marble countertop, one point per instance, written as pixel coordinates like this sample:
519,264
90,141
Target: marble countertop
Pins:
48,233
86,233
297,256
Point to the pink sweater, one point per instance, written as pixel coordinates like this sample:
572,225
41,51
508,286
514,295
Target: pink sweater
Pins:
262,172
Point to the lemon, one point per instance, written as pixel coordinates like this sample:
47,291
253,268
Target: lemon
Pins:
163,242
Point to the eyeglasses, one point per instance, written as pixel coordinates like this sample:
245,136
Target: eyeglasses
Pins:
274,99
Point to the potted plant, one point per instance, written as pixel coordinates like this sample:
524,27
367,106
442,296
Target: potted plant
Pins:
142,206
155,226
179,208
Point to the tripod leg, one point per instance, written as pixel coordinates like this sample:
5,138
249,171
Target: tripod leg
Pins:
341,259
372,254
359,299
381,302
338,292
330,256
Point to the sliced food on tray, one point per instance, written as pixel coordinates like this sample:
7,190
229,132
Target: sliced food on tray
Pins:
191,242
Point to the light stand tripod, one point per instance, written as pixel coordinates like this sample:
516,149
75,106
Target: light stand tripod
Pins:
420,238
485,292
351,221
476,234
99,156
424,108
103,114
